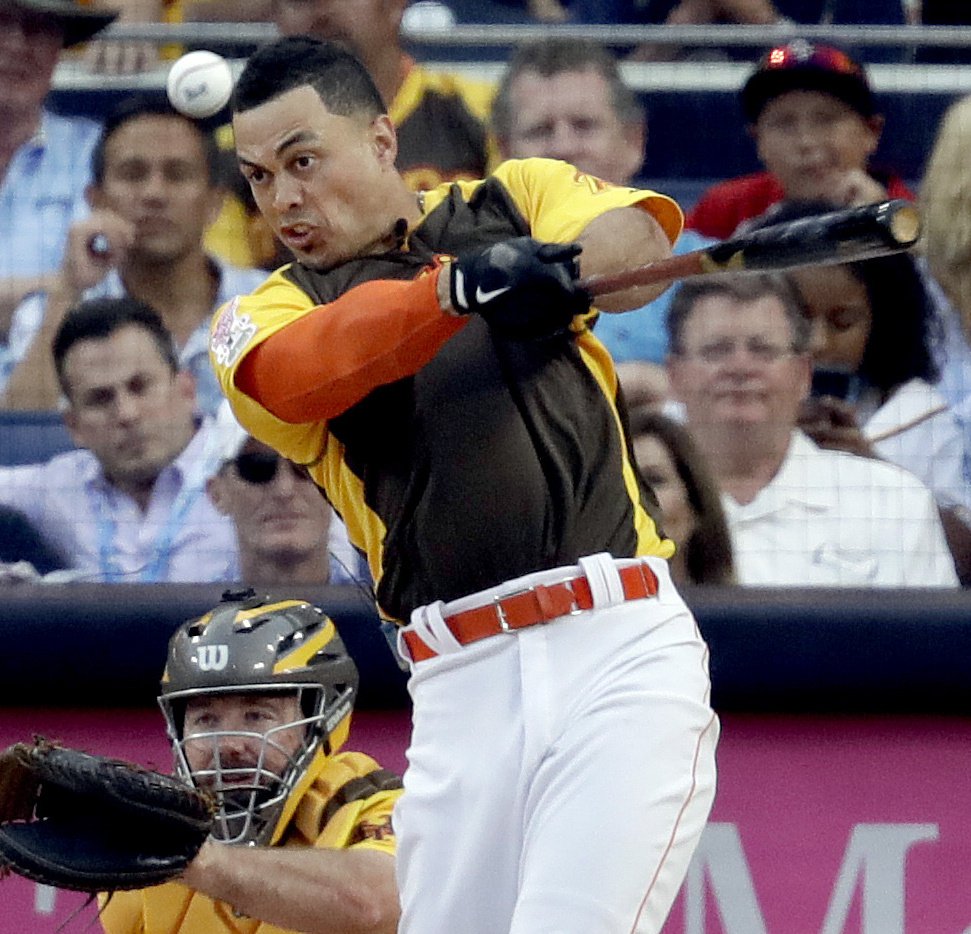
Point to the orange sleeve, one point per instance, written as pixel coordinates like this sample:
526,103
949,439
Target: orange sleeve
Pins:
329,359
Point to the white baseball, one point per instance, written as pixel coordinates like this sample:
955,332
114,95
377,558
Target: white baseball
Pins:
200,84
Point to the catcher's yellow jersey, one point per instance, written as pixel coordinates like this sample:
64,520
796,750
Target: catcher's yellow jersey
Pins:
173,908
456,459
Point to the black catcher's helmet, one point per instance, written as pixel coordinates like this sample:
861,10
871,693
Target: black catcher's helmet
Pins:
248,645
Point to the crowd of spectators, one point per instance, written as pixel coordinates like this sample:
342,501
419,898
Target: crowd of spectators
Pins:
799,429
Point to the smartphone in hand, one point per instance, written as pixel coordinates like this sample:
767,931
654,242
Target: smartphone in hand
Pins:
837,382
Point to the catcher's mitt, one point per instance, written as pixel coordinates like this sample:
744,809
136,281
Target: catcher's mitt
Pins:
94,824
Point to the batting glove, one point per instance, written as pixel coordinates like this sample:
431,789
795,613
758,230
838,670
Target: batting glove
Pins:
524,289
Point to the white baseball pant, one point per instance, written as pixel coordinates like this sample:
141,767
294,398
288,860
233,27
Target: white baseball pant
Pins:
558,777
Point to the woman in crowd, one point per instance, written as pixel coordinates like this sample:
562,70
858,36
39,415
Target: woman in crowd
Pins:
691,511
875,334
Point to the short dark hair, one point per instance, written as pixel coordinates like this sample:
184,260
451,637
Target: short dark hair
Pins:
743,289
553,56
338,77
134,107
99,318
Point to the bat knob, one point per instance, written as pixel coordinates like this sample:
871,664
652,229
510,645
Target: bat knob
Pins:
903,222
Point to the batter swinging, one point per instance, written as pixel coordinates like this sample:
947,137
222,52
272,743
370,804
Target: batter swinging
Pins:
429,360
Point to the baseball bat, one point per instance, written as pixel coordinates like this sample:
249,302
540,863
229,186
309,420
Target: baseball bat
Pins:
843,236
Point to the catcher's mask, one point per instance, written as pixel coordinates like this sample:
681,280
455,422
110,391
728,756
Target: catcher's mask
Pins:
244,646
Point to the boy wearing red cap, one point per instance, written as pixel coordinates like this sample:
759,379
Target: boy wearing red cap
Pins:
814,119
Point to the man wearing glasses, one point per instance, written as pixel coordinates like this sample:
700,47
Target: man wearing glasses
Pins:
286,531
813,116
798,515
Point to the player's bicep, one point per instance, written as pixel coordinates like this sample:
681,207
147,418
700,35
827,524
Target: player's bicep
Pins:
622,239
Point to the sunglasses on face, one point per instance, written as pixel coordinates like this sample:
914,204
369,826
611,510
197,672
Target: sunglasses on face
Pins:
260,467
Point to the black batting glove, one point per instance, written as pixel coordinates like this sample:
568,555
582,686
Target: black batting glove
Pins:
523,288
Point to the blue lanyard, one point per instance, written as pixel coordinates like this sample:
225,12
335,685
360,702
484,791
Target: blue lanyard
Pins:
157,569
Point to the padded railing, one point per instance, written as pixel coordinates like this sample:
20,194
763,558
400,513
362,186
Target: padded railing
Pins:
814,651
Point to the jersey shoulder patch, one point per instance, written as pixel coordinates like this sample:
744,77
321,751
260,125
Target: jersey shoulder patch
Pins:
231,332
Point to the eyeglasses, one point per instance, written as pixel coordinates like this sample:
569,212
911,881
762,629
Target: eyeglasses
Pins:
761,351
260,467
802,54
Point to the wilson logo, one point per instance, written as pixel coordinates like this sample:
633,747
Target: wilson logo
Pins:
213,657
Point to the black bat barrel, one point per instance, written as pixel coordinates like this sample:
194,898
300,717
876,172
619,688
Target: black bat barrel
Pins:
842,236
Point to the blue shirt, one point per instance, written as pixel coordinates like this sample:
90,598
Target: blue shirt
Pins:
642,334
179,538
42,194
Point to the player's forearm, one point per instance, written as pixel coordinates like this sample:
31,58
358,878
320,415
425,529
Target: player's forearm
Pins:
317,891
618,240
328,360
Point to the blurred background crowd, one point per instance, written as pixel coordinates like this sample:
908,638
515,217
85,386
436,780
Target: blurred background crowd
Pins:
802,429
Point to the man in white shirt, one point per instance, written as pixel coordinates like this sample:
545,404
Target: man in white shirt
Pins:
132,505
799,515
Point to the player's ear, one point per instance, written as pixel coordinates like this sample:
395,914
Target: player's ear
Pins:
384,139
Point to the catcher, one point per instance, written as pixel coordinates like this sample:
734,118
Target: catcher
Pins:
257,697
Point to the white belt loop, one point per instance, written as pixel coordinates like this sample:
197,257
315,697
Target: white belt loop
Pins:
428,623
602,575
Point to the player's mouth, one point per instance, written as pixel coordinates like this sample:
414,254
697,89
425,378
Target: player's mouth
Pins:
298,236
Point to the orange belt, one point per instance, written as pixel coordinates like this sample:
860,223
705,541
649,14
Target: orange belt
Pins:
537,604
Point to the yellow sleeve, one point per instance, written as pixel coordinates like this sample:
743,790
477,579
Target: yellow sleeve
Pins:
558,201
363,825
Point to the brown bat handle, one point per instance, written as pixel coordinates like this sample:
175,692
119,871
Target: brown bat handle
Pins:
843,236
664,270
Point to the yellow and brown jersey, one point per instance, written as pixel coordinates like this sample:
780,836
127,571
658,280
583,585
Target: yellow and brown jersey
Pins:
347,807
457,459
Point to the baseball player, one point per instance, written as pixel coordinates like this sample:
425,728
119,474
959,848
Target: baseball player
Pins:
426,357
257,697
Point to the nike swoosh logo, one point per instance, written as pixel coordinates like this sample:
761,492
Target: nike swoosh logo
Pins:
482,297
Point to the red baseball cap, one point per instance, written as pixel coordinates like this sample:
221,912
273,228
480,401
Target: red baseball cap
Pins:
803,66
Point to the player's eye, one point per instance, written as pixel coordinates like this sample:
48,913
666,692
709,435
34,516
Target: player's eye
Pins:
303,162
253,175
